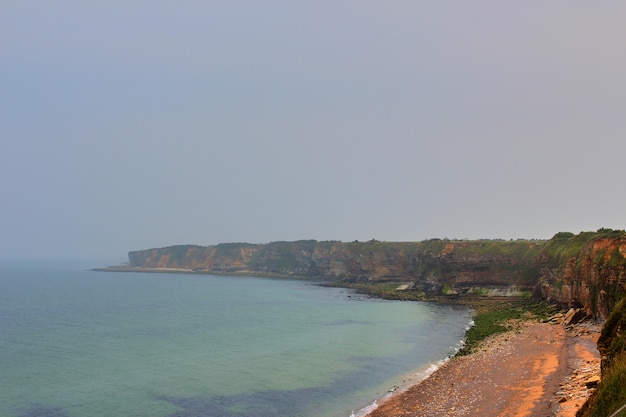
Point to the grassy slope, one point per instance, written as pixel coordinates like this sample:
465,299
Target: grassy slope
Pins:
611,392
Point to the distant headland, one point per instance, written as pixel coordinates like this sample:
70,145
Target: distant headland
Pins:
585,270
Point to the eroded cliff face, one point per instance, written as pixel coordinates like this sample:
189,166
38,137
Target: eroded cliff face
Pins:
587,270
478,267
230,257
433,266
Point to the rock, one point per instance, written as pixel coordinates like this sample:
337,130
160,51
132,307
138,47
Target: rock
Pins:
592,382
557,318
567,319
574,316
587,275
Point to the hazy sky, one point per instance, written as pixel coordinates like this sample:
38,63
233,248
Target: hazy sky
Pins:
136,124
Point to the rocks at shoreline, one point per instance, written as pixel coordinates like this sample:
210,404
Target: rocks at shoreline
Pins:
571,317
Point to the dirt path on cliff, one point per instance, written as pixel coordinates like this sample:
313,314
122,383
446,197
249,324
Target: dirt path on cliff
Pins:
524,373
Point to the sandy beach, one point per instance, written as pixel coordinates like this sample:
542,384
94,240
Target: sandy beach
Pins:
539,370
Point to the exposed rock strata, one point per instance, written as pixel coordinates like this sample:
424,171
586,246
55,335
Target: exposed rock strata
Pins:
585,271
433,266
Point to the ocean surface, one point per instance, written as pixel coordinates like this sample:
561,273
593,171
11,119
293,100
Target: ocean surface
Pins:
79,343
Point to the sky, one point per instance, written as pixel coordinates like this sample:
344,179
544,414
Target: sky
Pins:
129,125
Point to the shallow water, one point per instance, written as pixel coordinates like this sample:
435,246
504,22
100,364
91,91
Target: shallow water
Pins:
77,343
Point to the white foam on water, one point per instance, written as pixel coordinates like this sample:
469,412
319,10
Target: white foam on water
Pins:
416,378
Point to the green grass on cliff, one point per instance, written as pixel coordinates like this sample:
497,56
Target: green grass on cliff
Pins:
516,249
382,248
612,341
566,245
520,249
611,392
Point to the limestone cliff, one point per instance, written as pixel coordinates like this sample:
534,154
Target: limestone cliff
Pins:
477,267
587,270
433,266
227,257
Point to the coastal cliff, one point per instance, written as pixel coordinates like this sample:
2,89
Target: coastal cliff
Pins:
586,271
434,267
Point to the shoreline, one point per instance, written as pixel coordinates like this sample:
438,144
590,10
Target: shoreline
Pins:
240,273
411,379
539,370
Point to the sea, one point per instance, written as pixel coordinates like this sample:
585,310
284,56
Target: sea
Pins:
81,343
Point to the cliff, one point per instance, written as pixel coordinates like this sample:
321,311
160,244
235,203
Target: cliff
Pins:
228,257
585,271
588,270
610,395
433,267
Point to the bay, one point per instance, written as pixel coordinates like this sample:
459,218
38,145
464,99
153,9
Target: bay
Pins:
79,343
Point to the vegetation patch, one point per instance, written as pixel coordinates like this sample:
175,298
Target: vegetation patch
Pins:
518,249
446,289
479,291
381,248
616,260
499,317
565,245
610,395
612,341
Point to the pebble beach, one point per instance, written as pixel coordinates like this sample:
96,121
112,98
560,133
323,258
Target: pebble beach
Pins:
537,370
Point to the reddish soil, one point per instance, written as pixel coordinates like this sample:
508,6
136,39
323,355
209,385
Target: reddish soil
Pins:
539,370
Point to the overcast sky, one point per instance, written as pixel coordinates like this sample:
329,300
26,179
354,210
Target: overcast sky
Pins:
136,124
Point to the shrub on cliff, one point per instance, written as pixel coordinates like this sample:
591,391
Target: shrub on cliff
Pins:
610,395
612,341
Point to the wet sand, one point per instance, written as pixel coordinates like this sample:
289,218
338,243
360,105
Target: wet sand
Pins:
539,370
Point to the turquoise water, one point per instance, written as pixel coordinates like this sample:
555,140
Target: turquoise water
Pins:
77,343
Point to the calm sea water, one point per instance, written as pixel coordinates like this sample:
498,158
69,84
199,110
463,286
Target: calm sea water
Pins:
77,343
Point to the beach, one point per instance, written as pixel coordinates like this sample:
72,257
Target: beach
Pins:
537,370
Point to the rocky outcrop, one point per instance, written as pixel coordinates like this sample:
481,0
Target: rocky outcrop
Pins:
585,271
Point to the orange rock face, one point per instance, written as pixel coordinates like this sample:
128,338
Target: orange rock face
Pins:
593,278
